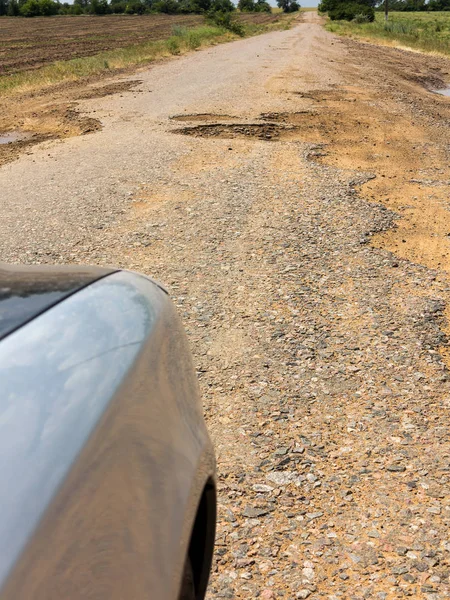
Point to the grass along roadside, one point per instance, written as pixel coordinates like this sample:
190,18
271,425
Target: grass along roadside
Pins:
425,31
182,40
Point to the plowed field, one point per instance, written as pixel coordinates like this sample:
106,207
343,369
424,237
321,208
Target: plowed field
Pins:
31,43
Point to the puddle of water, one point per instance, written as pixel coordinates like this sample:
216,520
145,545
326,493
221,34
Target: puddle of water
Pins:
443,91
13,136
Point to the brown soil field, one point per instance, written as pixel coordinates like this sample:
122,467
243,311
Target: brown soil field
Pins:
259,18
31,43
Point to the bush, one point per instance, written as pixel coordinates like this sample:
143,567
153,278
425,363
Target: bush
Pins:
250,6
31,8
38,8
134,8
262,6
193,40
99,7
222,6
246,5
179,31
350,10
48,8
169,7
225,20
118,7
173,45
361,19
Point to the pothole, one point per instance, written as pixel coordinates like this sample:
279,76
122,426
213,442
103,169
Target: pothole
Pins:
11,137
443,91
263,131
56,122
292,118
203,118
83,124
304,125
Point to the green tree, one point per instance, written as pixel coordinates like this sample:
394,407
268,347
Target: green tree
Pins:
246,5
262,6
99,7
31,8
135,7
347,10
439,5
65,9
288,6
118,6
186,7
204,5
48,8
326,5
222,6
3,7
13,8
169,7
330,5
83,4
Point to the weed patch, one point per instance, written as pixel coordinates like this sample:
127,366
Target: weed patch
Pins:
429,32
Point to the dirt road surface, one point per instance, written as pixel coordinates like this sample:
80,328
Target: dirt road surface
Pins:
297,209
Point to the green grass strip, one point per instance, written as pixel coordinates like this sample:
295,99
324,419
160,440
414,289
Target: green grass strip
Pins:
429,32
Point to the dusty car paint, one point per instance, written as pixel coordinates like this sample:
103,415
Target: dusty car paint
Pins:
103,451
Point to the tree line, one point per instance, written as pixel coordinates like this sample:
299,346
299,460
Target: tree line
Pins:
35,8
364,10
418,5
349,10
288,6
